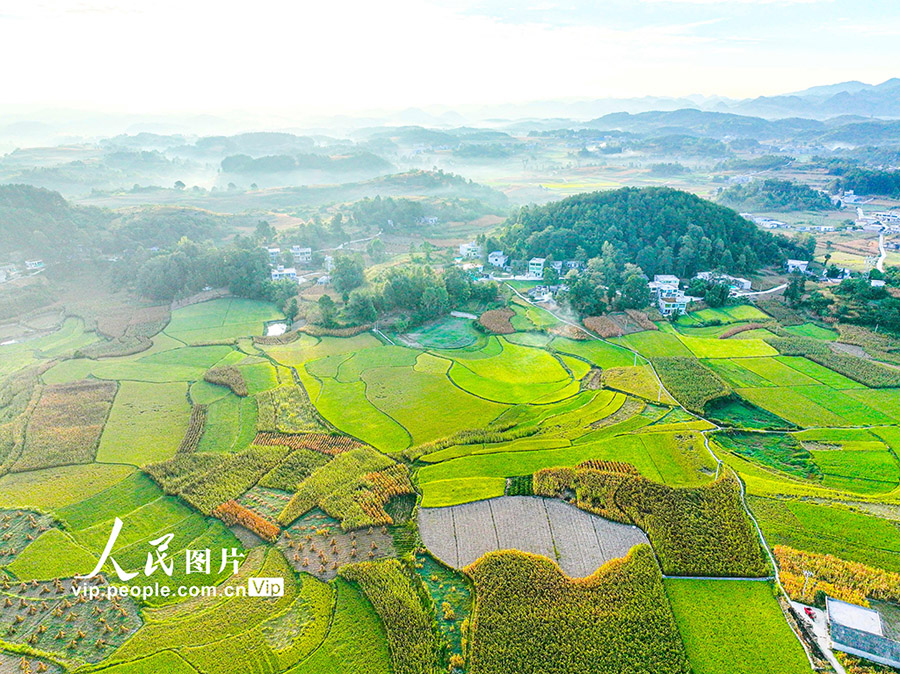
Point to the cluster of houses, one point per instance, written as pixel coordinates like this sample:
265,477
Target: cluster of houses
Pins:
534,268
301,256
11,271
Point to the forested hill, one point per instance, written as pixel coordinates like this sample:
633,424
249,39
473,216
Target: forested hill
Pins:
660,229
39,222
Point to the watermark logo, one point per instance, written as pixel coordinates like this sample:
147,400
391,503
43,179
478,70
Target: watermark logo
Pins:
265,587
159,560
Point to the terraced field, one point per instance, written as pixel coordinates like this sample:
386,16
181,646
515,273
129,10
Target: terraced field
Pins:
334,452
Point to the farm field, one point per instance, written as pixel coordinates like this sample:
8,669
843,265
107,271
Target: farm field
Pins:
393,488
732,627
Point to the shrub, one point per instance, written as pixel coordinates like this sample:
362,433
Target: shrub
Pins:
691,383
320,331
228,376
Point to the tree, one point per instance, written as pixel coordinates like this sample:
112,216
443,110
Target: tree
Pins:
794,292
435,302
347,274
326,310
635,292
179,185
376,250
264,231
292,310
551,277
717,294
361,308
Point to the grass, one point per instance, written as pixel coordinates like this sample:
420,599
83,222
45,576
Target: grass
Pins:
53,488
53,554
346,406
820,373
677,459
727,348
601,354
734,627
446,333
792,406
427,405
886,401
853,411
164,661
736,375
863,471
779,451
812,330
830,529
146,423
134,491
221,320
653,344
775,372
738,413
230,425
356,641
639,381
450,492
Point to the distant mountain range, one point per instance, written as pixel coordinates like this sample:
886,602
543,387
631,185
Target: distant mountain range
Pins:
845,102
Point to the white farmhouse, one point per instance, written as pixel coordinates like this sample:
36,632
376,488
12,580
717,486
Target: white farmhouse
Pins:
498,259
282,272
797,266
469,250
274,253
301,255
536,267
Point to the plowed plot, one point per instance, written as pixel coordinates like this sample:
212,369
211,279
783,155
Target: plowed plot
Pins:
578,541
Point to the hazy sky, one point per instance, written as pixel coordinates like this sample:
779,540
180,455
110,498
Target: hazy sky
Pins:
353,55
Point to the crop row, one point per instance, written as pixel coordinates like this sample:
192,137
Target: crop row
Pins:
286,409
194,431
410,633
693,384
231,512
229,377
700,531
851,581
529,617
865,372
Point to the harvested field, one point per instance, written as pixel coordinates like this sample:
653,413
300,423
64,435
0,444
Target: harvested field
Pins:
603,326
316,544
497,321
578,541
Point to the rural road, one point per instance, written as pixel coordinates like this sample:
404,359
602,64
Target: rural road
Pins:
880,264
347,243
763,292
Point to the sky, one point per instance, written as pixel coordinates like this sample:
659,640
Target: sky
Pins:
352,56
